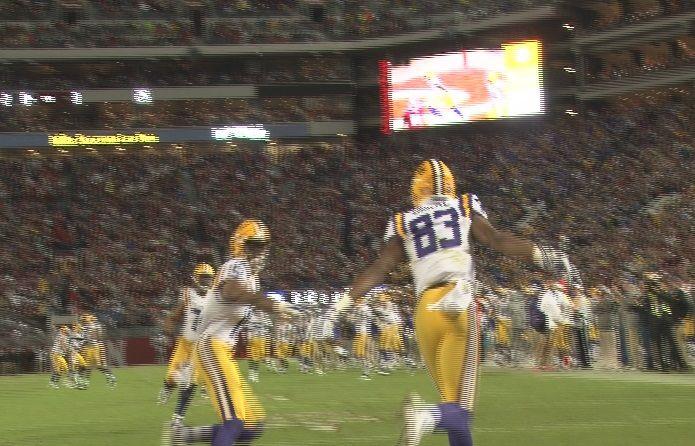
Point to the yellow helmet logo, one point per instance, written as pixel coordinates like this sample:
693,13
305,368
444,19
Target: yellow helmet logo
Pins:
247,230
203,269
432,177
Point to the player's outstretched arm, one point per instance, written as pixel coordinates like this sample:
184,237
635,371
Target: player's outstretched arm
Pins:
505,242
174,319
390,256
517,247
234,291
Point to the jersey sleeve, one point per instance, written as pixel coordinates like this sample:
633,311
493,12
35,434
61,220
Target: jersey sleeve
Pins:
390,230
233,270
395,226
476,206
470,203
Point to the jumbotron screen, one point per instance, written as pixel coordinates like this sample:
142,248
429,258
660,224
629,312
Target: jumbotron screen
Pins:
462,86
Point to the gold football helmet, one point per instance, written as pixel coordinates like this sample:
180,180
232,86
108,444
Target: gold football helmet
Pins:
87,318
250,240
203,275
432,177
248,231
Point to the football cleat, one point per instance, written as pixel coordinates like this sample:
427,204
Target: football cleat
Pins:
176,420
111,381
365,377
172,435
164,395
253,376
414,421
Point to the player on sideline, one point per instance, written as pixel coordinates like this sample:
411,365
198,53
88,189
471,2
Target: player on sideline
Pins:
390,342
284,340
434,237
259,329
235,292
93,350
60,350
188,314
78,365
361,344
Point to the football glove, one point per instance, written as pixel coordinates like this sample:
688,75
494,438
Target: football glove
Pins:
550,259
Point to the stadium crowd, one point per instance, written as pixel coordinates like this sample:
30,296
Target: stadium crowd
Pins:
643,59
117,233
615,13
185,113
157,23
177,72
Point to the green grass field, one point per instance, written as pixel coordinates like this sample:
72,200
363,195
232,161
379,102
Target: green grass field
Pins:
514,408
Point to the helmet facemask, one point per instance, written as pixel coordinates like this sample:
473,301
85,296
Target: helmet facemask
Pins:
203,281
257,254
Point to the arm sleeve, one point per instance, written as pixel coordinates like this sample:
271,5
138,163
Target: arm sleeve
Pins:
390,230
476,206
234,270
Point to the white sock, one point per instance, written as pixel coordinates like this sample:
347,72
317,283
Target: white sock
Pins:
430,417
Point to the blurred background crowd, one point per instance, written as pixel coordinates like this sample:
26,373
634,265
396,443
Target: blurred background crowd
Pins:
184,113
105,23
117,233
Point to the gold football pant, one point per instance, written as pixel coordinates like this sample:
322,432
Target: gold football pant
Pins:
93,356
182,355
59,364
560,338
390,339
448,344
308,349
229,393
283,350
78,362
257,349
359,345
502,330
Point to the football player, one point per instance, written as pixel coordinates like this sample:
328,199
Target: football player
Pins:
362,319
78,366
259,329
323,334
284,340
235,291
188,314
60,351
93,350
434,236
390,341
308,347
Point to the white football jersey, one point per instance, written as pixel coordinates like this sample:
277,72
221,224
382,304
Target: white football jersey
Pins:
224,319
193,313
93,333
61,344
284,332
362,317
259,325
389,314
435,236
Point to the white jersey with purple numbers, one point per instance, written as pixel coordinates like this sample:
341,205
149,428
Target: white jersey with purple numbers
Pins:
194,302
435,236
362,318
223,319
